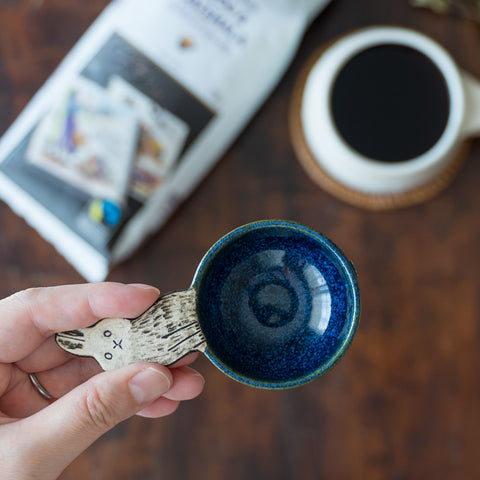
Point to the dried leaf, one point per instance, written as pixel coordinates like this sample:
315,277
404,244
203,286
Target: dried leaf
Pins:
464,8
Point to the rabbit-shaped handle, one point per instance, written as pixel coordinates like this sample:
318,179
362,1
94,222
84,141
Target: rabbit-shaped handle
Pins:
163,334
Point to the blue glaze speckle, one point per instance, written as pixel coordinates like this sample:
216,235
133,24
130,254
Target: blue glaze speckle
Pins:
277,302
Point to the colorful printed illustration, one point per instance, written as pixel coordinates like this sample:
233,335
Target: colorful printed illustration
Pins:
89,140
162,136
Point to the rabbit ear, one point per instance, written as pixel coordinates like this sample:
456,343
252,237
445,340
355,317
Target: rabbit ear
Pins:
72,341
77,342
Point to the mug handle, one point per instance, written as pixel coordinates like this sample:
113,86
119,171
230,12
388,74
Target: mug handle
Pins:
163,334
471,126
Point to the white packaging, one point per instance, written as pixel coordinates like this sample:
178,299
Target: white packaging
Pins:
187,74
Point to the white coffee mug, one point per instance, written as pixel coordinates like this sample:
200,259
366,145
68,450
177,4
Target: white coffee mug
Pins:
368,176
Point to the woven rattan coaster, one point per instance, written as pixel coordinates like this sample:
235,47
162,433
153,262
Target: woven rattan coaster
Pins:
358,198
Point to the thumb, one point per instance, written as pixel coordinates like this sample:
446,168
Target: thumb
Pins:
56,435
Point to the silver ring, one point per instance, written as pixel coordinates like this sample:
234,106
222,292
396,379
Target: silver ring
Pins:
40,388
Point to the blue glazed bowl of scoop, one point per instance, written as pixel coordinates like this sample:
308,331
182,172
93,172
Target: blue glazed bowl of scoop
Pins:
278,304
273,304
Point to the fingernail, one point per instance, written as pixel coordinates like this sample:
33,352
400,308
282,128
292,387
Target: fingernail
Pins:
194,373
148,385
145,287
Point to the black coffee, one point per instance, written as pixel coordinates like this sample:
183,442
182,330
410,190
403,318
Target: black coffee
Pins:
390,103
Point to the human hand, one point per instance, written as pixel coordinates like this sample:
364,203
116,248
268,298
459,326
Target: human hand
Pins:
40,437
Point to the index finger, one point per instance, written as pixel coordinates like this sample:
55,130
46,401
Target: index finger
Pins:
30,316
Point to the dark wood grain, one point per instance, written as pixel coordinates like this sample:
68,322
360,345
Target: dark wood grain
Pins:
404,403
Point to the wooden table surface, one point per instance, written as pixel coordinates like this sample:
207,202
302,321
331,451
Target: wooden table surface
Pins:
404,403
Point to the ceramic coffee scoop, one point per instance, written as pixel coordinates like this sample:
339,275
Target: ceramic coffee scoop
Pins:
273,304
